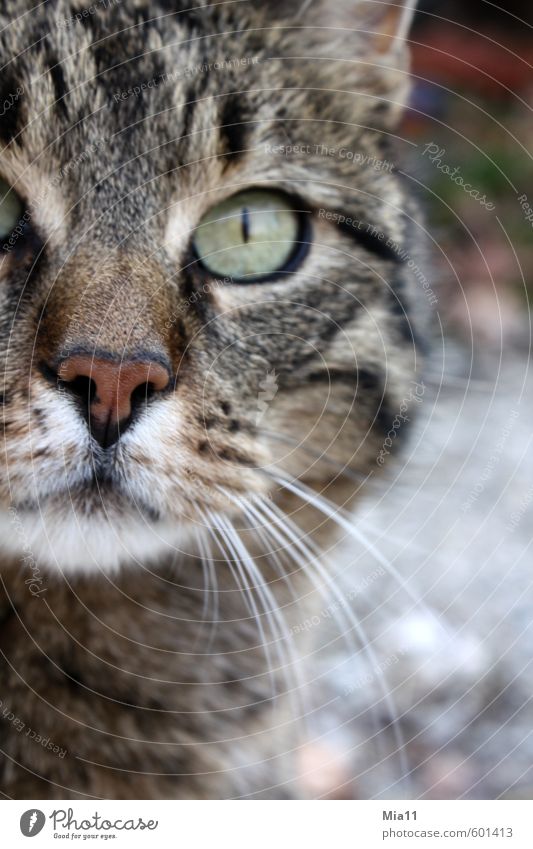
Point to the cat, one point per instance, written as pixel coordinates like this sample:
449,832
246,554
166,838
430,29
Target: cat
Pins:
210,327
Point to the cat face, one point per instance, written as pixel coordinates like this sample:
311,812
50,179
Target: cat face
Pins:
203,273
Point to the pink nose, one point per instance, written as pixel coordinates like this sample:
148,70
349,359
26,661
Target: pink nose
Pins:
111,390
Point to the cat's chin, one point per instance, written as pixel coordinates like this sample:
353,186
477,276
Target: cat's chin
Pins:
53,538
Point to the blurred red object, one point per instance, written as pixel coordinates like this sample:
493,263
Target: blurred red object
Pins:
496,64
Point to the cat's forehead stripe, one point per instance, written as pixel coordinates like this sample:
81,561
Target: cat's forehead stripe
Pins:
11,103
60,86
233,127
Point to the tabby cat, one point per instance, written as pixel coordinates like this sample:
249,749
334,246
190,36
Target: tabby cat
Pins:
209,326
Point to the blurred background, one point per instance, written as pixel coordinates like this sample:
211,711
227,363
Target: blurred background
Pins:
440,705
473,66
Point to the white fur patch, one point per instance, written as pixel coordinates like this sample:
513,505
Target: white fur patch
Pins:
59,538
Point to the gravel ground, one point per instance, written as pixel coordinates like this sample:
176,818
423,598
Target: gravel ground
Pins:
440,704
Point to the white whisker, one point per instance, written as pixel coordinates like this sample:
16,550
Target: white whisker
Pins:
284,527
278,627
236,567
336,514
212,588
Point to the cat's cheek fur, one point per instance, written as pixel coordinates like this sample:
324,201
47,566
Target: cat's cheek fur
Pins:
44,449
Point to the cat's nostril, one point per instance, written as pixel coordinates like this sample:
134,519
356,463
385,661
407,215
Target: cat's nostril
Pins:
142,393
110,390
82,387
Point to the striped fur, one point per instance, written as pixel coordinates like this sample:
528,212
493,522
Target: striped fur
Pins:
115,180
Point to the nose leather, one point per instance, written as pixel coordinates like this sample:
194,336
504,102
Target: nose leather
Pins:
112,389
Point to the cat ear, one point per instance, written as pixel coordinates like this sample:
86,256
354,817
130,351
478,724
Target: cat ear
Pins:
369,38
384,24
382,38
389,23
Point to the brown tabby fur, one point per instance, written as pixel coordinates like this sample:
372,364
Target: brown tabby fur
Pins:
103,648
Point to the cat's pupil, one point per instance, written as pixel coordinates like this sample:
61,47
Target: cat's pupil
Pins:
245,224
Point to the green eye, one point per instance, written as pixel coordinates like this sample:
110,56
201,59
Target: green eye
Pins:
10,209
252,235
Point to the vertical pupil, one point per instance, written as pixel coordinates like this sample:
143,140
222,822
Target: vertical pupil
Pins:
245,221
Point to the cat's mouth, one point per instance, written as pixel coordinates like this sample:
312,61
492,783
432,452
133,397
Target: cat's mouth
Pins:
80,506
97,522
116,488
96,499
100,491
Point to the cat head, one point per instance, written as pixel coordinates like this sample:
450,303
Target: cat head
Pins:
205,277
